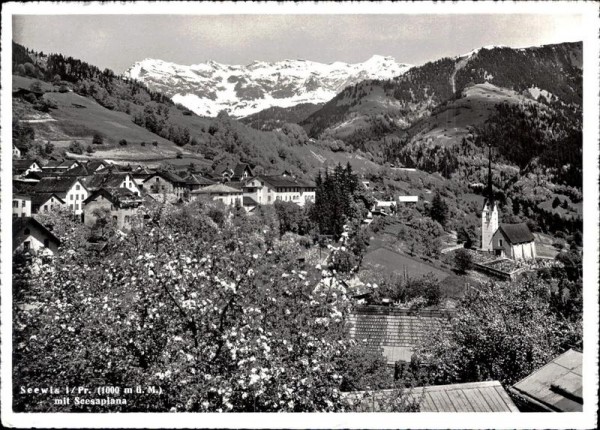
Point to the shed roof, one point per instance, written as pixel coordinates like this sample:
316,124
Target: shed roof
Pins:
557,386
105,179
517,233
488,396
167,176
395,330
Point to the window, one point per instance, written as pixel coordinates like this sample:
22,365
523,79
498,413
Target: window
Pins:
46,243
126,219
27,232
157,180
77,206
77,187
71,197
15,203
26,245
71,207
45,208
114,218
23,203
500,241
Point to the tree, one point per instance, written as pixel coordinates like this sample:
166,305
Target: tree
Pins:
97,139
501,332
439,209
218,316
123,142
36,86
555,202
463,260
90,149
76,147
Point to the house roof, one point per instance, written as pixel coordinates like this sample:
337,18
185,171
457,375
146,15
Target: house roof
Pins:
217,188
24,164
395,330
487,396
24,187
59,185
199,180
119,196
557,386
19,224
105,180
517,233
240,168
222,168
51,164
93,165
284,181
249,201
167,176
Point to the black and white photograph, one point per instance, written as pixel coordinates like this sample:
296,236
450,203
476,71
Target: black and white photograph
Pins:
219,211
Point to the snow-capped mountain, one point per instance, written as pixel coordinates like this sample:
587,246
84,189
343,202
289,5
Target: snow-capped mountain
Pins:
210,87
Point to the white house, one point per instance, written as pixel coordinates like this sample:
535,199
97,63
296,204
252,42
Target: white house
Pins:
408,199
268,189
112,180
24,167
30,236
68,188
21,205
514,241
16,152
46,202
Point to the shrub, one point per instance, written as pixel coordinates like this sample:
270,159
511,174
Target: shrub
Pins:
97,139
75,147
155,143
463,260
123,142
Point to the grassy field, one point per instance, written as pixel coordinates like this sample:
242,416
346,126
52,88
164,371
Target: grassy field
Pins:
392,262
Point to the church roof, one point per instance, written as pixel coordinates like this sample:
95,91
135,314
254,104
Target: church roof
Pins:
517,233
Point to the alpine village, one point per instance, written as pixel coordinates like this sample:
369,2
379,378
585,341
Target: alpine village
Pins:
412,244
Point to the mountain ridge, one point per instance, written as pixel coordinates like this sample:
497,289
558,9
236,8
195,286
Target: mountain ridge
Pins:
241,90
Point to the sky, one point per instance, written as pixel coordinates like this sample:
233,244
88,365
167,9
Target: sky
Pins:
118,41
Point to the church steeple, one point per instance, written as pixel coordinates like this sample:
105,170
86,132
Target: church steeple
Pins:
490,191
489,213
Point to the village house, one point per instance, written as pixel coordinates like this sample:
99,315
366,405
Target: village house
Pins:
68,188
514,241
16,152
112,180
241,172
166,184
22,168
46,202
94,166
408,199
21,205
119,204
228,195
269,189
30,236
223,173
195,182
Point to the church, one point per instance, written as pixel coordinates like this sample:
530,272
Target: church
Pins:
514,241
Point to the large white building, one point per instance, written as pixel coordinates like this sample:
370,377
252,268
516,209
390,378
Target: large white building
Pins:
269,189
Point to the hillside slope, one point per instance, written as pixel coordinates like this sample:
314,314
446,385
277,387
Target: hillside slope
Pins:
373,108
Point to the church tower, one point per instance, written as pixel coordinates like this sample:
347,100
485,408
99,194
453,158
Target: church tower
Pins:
489,213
